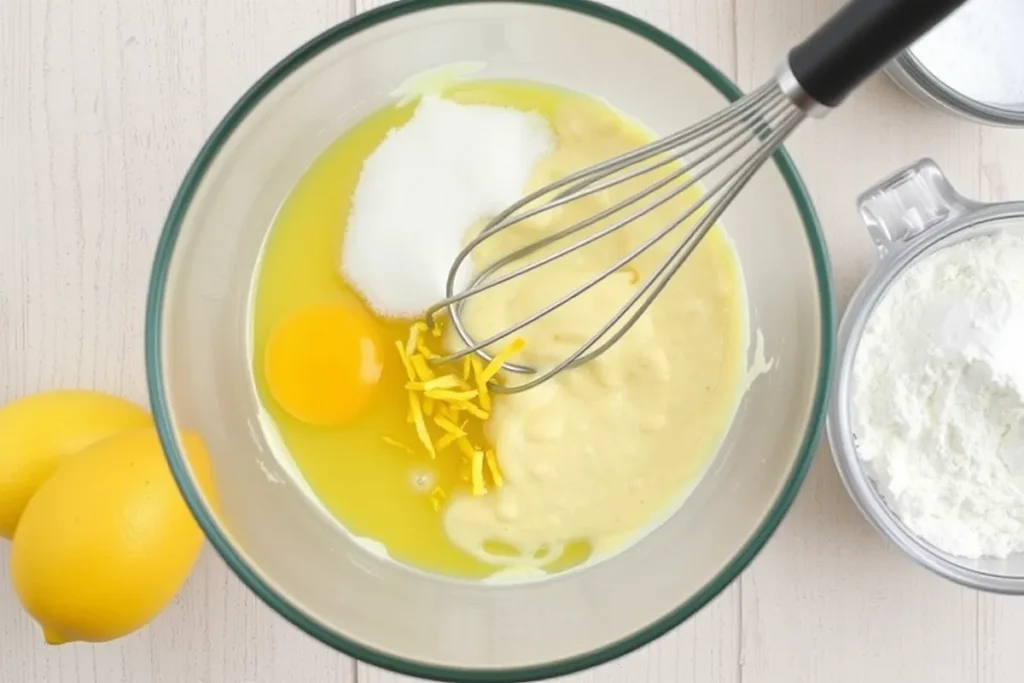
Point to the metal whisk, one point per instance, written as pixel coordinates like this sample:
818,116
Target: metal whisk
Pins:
734,142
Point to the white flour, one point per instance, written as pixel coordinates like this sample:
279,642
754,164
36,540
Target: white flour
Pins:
977,51
938,397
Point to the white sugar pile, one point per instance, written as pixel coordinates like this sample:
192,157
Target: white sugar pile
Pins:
420,191
977,51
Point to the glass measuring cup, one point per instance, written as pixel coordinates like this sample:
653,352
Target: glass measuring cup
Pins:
910,215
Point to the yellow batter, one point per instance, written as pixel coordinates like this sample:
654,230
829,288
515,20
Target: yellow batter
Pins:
598,452
592,457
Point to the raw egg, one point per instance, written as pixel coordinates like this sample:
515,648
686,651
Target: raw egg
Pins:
323,363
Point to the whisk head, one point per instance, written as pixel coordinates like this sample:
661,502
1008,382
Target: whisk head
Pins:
716,157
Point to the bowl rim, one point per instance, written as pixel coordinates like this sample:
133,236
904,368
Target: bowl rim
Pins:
251,576
913,75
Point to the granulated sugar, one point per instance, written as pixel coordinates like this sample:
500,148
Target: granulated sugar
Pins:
424,187
979,51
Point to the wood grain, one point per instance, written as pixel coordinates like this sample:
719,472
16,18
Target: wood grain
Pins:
102,107
828,599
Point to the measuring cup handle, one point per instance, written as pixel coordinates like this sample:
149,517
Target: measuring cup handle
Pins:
910,201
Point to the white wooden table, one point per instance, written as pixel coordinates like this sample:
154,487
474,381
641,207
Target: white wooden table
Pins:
103,105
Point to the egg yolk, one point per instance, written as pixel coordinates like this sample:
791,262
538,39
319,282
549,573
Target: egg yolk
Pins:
323,363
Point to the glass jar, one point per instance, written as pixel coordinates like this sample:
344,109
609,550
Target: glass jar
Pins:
910,215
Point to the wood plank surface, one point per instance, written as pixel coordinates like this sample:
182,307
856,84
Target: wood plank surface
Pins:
102,107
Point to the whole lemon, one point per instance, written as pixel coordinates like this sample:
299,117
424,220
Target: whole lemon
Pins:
106,541
36,432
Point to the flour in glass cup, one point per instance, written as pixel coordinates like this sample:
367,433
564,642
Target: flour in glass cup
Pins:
938,397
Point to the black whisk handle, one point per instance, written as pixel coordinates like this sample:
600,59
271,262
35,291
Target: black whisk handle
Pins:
858,40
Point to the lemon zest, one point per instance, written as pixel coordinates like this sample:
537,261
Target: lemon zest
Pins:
420,424
478,474
481,384
412,344
447,440
492,465
437,498
449,395
427,353
397,444
449,426
474,410
466,447
451,401
422,368
494,367
445,382
405,360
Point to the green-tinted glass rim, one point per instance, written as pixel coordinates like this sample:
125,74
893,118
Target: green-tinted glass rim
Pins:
251,577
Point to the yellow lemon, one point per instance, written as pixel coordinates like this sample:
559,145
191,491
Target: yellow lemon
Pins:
36,432
106,541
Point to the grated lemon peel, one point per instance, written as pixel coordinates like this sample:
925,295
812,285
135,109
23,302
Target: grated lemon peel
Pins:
502,357
448,426
492,465
397,444
403,353
437,498
478,474
421,367
420,424
450,399
481,384
446,441
473,410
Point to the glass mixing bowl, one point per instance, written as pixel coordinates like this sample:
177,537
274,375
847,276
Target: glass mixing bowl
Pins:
913,213
281,542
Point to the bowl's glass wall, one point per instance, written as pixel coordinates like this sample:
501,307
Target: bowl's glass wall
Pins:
290,542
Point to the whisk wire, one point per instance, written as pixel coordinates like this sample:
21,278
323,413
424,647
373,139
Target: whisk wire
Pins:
679,256
622,161
587,176
481,283
663,275
817,75
764,117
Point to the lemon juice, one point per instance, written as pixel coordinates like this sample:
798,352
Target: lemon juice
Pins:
376,489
